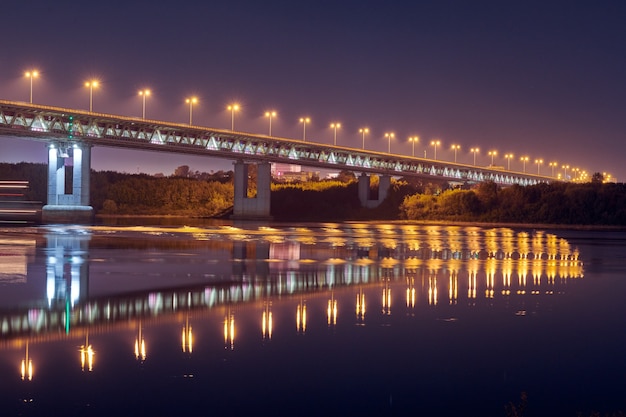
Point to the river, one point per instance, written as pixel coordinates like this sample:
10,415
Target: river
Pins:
325,319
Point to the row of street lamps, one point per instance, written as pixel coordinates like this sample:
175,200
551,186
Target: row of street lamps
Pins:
270,114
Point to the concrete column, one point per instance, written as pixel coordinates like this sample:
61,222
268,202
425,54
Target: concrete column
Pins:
384,184
56,175
74,207
82,171
364,189
257,207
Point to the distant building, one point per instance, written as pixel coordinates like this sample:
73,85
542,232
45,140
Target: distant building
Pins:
291,173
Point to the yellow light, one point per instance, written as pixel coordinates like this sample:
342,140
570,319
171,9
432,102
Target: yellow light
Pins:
192,100
144,92
305,120
270,114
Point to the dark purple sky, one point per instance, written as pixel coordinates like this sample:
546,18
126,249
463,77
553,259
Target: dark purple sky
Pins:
537,78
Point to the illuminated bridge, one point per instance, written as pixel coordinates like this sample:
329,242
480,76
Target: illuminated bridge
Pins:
71,133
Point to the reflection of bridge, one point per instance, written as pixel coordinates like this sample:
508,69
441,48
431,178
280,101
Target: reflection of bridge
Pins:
439,268
70,133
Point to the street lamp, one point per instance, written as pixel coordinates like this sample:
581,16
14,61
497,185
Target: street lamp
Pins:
304,121
335,126
492,154
524,159
144,93
474,151
413,140
508,157
270,114
565,168
538,162
435,143
363,131
91,84
31,74
232,108
455,148
191,101
389,136
553,165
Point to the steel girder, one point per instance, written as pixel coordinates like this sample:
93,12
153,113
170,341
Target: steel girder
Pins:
61,125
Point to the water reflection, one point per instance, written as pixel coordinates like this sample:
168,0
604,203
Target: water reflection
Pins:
101,280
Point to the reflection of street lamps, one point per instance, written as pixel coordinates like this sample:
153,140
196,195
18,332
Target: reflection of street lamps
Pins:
335,126
331,310
538,162
140,346
413,140
553,165
191,101
492,154
144,94
363,131
389,136
455,148
187,337
267,321
474,151
508,157
524,159
304,121
435,143
270,114
233,108
86,355
301,317
91,84
27,366
31,74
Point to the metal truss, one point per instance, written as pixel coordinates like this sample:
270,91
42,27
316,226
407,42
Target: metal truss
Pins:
67,126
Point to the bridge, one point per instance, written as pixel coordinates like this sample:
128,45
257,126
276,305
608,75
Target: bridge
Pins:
70,133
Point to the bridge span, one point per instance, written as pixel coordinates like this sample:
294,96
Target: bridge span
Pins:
71,133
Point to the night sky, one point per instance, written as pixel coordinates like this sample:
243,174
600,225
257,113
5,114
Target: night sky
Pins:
538,78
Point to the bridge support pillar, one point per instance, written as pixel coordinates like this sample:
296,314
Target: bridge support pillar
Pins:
257,207
66,207
384,184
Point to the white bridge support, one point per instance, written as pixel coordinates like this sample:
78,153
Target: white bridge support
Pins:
364,190
257,207
71,207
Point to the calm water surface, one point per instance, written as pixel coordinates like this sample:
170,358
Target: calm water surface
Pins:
314,319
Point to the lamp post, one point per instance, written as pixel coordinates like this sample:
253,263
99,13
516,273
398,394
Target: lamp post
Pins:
31,74
553,165
269,114
413,140
91,85
435,143
524,159
389,136
233,108
191,101
492,154
455,148
538,162
144,93
363,131
304,121
508,157
335,126
565,168
474,151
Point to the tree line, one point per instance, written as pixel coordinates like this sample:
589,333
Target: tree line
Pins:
196,194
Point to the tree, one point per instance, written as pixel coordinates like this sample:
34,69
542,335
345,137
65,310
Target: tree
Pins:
597,178
182,171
